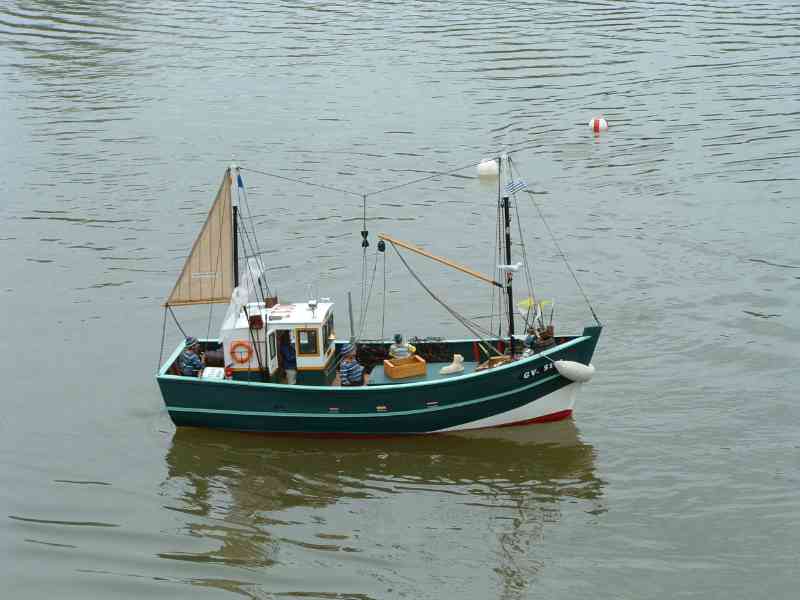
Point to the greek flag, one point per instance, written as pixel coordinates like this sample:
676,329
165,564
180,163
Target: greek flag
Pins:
516,185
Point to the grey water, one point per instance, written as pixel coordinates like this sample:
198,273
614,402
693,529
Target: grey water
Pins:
680,472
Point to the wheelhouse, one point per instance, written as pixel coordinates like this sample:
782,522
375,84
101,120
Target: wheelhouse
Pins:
252,341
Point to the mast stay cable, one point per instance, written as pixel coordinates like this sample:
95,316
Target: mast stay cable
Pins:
563,256
473,328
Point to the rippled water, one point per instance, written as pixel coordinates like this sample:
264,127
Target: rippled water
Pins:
679,476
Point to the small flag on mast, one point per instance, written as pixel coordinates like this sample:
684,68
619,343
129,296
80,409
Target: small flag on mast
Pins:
515,185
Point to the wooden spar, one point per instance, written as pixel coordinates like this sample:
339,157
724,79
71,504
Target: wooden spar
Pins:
439,259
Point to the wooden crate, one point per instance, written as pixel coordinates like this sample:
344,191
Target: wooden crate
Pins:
402,368
494,361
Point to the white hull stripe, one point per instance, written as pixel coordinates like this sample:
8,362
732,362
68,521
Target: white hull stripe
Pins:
554,402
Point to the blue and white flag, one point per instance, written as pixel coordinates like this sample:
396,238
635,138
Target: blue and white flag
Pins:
515,185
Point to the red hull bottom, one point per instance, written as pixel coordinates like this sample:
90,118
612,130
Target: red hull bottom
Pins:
556,416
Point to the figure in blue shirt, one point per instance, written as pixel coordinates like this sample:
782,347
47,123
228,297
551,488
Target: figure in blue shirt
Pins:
289,359
350,370
191,364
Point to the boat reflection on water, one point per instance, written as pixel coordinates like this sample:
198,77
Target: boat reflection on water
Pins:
258,501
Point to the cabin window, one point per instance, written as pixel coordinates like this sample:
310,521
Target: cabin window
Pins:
327,333
308,342
273,350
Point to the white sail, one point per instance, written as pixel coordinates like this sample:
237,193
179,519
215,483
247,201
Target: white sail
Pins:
207,275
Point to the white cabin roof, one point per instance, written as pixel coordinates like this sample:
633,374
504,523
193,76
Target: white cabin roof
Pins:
298,313
282,316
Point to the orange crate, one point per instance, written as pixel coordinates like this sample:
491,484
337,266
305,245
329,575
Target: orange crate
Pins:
413,366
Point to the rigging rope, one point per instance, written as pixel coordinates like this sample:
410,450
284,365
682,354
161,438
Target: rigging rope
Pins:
174,318
318,185
363,318
383,312
364,246
255,249
563,256
163,334
228,173
471,327
365,296
420,180
362,195
497,293
528,276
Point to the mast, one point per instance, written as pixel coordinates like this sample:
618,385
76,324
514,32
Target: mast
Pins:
505,203
509,274
235,204
235,246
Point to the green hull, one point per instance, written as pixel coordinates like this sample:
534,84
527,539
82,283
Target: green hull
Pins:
529,389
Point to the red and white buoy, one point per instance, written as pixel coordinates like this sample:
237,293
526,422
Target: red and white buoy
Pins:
598,124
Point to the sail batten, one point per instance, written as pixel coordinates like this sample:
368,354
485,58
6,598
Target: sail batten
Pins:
207,275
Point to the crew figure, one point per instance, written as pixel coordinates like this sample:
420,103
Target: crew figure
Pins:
400,349
530,340
288,358
191,364
351,372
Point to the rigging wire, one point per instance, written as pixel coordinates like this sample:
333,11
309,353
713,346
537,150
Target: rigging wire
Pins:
501,255
217,267
366,295
364,246
301,181
420,180
363,195
174,318
563,256
528,276
256,283
383,312
363,318
253,244
163,335
496,291
471,327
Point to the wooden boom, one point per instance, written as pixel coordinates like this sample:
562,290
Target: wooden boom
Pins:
439,259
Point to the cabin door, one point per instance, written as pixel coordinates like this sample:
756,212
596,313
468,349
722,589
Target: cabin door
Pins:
272,352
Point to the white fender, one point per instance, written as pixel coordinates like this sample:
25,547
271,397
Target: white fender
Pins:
574,371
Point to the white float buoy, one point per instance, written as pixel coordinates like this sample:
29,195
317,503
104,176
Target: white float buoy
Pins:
574,371
598,124
488,168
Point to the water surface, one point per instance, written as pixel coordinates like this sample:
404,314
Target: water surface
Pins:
679,474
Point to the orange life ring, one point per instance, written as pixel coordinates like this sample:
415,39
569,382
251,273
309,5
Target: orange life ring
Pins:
241,351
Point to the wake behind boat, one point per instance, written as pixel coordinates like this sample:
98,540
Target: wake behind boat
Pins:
279,367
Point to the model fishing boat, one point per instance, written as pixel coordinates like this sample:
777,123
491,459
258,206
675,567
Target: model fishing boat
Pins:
279,367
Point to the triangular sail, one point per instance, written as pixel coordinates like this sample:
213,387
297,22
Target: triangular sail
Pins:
207,275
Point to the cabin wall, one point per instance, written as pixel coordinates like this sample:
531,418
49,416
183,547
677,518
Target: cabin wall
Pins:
241,342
